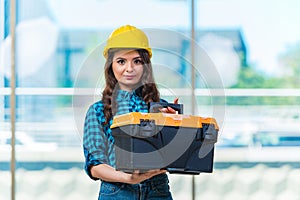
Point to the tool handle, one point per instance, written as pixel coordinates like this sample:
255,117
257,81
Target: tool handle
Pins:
154,107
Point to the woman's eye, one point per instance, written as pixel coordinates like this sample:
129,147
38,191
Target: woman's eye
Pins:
138,61
121,62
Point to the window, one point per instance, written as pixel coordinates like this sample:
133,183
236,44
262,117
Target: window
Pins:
238,81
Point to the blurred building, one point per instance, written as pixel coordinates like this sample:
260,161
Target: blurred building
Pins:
60,66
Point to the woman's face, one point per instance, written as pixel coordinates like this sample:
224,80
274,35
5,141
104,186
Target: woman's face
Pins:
127,66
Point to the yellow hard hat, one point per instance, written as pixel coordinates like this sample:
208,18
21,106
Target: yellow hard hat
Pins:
127,37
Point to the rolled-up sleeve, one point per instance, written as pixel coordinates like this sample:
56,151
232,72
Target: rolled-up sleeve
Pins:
94,141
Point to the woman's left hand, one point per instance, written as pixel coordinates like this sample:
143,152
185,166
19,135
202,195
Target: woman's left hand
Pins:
169,109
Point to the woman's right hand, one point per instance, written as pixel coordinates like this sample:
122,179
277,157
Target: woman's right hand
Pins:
137,177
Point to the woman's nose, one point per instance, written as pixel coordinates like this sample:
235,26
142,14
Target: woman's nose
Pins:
129,67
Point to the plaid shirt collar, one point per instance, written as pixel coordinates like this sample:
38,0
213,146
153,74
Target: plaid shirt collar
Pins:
130,102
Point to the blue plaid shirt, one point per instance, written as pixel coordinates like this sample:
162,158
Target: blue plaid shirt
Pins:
98,142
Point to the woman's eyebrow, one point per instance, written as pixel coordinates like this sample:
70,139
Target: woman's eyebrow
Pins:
120,57
138,57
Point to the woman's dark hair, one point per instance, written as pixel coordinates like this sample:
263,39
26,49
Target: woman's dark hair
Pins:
147,87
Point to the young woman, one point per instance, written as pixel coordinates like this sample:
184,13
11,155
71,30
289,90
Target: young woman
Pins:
129,87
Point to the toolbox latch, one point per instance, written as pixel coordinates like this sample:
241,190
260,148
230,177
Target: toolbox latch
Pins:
211,134
146,128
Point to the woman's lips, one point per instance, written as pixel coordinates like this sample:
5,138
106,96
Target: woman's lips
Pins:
129,77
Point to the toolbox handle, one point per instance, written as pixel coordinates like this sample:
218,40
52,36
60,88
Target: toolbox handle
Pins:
154,107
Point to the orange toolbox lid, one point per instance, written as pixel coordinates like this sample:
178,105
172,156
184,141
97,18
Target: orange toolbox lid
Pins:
163,119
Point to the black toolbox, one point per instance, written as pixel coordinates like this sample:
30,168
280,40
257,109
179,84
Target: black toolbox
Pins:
179,143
